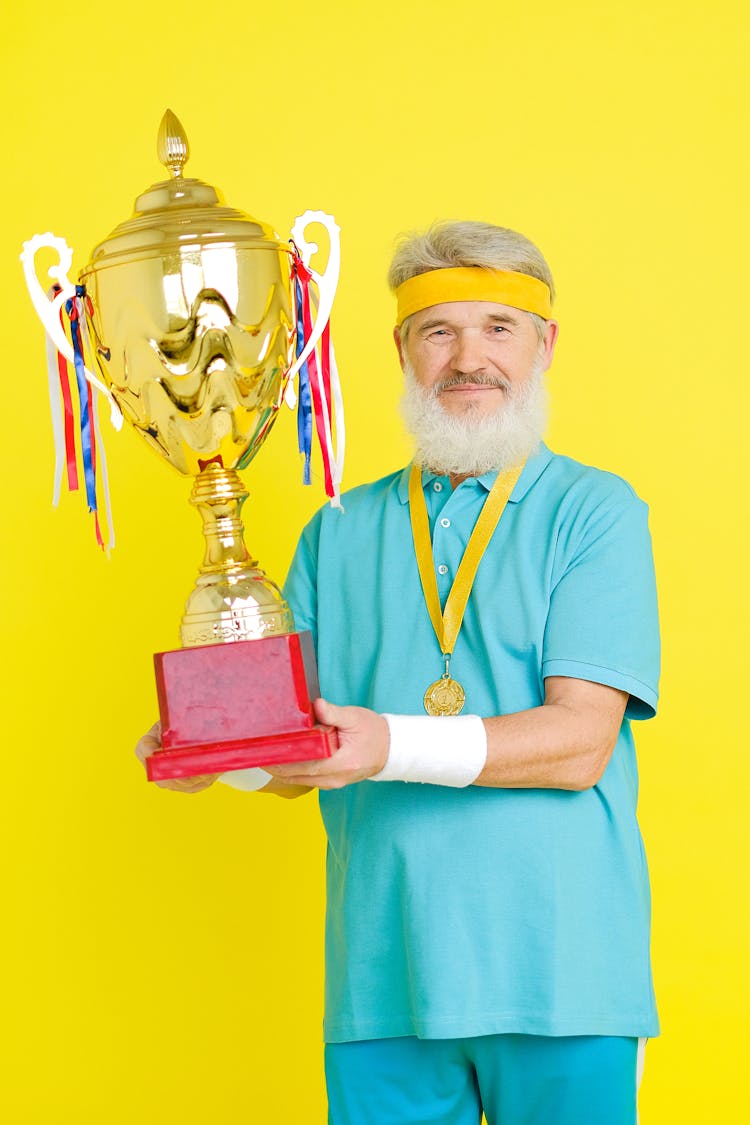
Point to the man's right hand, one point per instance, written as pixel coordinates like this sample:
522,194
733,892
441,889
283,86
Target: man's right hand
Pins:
149,744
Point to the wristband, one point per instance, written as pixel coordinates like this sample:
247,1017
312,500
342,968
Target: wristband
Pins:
247,780
438,750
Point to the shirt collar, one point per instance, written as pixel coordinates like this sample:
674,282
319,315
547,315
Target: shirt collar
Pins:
532,470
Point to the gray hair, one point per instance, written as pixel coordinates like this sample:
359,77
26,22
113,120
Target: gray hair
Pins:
447,245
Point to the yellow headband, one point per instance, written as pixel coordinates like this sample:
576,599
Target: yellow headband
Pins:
503,287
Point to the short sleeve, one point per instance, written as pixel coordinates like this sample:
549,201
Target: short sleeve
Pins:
603,618
301,586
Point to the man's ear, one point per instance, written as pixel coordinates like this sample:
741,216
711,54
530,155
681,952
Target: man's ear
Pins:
548,343
399,346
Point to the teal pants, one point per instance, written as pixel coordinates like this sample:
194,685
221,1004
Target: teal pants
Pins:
512,1079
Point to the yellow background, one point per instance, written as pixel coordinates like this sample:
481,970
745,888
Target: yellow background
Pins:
163,953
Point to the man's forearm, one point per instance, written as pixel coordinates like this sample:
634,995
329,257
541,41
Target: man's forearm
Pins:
560,745
563,744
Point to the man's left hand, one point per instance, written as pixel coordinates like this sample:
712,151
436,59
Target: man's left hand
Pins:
362,752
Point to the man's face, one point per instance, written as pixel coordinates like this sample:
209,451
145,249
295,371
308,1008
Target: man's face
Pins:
471,354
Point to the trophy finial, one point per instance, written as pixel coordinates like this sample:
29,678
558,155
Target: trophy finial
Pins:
172,144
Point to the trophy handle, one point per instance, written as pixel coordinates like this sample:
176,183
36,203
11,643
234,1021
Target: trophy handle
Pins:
48,310
326,282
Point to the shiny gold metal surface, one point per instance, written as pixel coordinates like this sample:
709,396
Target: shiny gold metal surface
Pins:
192,325
192,319
172,144
444,697
233,600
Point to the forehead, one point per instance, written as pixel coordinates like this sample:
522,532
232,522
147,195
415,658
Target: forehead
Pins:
468,314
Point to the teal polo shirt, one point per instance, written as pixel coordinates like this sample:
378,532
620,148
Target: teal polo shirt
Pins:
477,911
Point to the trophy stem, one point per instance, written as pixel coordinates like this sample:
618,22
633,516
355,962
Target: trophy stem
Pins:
232,600
219,494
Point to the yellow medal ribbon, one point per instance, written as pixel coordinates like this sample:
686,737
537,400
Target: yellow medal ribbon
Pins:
446,696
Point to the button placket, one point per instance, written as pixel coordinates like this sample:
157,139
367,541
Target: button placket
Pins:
443,549
447,537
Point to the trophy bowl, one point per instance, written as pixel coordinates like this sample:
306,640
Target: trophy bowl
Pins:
191,317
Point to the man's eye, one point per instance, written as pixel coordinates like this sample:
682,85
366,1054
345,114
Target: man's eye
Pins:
498,328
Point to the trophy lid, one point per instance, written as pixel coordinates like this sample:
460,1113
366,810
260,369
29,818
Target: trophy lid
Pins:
179,212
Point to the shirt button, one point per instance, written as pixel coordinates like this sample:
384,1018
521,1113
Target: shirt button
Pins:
437,486
445,522
442,569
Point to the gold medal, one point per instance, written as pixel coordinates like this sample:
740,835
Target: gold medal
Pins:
444,697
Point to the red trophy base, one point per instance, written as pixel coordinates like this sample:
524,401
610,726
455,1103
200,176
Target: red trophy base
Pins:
231,706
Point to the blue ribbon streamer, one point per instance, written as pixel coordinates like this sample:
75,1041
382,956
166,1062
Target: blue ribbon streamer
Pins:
83,399
304,397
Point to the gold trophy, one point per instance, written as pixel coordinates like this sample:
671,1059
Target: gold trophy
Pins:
190,316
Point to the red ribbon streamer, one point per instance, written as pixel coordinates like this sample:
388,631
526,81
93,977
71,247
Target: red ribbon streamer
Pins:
71,464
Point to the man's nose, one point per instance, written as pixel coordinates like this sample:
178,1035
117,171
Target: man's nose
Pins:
469,353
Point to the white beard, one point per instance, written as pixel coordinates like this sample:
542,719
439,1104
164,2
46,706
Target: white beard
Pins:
471,445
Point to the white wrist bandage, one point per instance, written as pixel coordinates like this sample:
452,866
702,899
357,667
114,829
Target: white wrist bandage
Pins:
247,780
439,750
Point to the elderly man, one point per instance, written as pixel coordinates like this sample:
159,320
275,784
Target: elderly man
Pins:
486,629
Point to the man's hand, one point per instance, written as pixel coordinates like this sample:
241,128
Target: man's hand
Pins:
149,744
362,752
